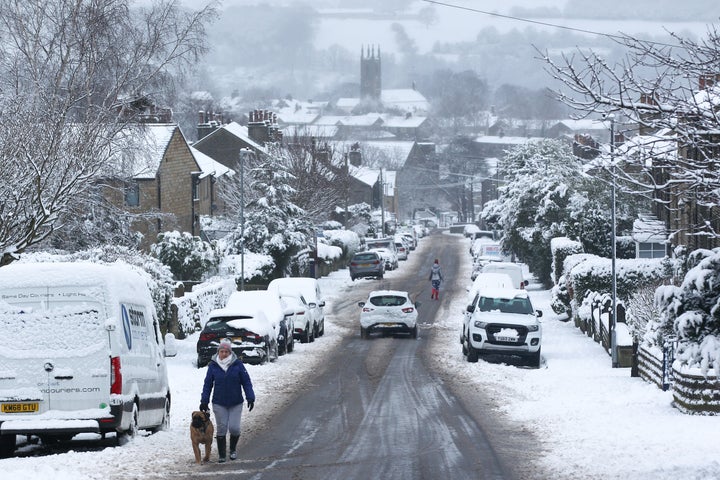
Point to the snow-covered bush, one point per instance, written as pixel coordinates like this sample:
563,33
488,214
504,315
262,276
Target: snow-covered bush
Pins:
561,248
188,257
692,312
642,311
347,240
560,298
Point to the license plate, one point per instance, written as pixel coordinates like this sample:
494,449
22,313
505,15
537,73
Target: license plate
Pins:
506,339
20,407
364,265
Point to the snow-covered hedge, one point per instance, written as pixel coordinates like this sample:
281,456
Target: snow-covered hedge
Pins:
192,309
595,275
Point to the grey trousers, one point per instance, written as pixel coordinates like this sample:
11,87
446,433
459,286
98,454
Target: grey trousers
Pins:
227,419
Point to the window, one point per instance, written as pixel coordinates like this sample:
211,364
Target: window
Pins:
132,194
650,250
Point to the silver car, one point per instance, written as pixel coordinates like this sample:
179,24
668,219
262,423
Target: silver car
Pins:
367,264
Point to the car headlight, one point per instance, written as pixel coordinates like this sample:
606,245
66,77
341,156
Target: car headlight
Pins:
533,328
479,324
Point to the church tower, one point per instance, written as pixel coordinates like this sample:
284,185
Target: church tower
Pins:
370,74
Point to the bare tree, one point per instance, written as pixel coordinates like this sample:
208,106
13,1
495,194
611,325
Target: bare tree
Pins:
669,95
69,70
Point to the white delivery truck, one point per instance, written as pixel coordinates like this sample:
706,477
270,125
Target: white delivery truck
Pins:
80,351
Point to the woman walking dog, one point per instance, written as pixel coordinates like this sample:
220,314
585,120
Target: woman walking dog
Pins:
227,378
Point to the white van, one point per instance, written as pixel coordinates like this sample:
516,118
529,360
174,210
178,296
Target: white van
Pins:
80,351
513,270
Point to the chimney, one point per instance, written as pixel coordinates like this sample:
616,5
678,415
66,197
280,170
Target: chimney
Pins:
707,80
355,155
263,127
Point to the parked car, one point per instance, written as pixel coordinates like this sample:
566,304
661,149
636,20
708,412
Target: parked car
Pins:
367,264
402,250
255,321
81,352
310,289
304,328
502,321
514,270
388,311
390,257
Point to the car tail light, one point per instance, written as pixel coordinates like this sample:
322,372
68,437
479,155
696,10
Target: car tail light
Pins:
407,310
115,376
376,262
353,264
253,337
207,337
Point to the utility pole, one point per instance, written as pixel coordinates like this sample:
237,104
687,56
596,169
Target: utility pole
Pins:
382,204
613,318
243,153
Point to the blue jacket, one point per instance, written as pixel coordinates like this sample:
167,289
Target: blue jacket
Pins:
227,386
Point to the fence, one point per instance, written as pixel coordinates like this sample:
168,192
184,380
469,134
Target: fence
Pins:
598,328
693,393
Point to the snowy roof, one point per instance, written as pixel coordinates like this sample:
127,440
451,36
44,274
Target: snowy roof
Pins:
368,176
238,131
297,118
366,120
208,166
402,121
153,140
586,125
329,120
397,151
507,140
314,130
648,229
405,98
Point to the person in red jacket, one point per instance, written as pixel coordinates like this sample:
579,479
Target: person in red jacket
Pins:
227,378
435,279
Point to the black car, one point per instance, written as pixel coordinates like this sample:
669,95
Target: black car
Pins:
367,264
253,337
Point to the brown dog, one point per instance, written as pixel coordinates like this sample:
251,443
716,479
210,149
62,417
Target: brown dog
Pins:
202,430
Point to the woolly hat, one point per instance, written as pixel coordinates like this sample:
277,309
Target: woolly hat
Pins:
437,261
225,343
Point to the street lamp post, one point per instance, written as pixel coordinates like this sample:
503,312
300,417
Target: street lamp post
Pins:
243,153
613,317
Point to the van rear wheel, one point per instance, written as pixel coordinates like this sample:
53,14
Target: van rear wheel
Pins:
165,423
7,445
133,428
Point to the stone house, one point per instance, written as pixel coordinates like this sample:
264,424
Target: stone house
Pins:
167,185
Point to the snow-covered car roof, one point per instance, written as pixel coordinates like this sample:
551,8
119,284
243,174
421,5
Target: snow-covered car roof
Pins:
304,285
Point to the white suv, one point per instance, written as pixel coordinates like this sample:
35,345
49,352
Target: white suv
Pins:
502,322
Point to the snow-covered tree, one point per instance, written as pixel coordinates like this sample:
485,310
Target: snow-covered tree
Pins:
546,195
274,225
188,257
69,73
692,312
